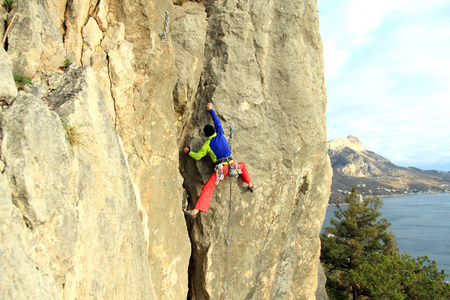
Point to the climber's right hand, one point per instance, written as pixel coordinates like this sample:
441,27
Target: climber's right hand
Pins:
209,106
186,150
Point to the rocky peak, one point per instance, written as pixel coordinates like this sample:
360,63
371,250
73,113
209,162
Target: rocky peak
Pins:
351,142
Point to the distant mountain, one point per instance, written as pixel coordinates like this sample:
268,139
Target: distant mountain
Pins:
376,176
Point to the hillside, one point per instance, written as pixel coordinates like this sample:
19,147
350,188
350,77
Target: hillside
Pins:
374,175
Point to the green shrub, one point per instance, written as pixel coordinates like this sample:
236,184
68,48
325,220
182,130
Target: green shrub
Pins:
22,81
73,136
67,62
7,4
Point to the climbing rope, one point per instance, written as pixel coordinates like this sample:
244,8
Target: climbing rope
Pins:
228,232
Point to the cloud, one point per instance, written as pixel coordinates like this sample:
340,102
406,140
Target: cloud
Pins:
387,69
335,58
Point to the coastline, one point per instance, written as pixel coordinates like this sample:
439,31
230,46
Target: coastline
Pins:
382,196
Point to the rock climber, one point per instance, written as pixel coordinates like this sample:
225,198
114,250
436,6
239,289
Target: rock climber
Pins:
217,147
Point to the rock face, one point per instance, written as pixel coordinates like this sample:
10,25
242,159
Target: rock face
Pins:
101,216
263,72
68,228
34,42
8,89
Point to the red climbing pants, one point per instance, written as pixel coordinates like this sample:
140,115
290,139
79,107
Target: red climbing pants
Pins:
204,200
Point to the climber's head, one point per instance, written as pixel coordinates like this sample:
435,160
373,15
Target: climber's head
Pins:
209,130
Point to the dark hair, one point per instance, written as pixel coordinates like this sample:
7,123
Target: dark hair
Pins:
209,130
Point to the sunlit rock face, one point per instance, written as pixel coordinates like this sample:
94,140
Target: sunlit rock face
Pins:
129,80
263,72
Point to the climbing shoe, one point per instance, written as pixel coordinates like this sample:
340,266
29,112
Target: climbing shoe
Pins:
250,188
189,213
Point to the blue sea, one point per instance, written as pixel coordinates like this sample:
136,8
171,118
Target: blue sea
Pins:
421,224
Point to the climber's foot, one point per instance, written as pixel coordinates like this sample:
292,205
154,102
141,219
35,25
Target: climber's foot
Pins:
191,213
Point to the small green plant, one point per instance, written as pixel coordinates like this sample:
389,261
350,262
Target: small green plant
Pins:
22,81
73,136
7,4
67,62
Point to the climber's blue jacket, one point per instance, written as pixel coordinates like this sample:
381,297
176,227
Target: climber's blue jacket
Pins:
216,145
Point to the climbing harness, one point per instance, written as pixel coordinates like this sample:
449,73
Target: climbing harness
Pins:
234,170
233,167
166,26
219,173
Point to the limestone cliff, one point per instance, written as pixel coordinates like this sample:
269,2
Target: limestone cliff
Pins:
101,217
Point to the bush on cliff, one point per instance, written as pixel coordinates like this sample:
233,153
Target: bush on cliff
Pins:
22,81
400,276
361,259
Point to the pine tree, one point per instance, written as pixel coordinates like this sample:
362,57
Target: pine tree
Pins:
360,258
357,233
400,276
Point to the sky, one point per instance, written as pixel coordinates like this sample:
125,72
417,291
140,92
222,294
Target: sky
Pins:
387,74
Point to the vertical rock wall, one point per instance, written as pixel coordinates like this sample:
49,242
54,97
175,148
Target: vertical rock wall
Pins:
104,219
263,71
71,222
134,71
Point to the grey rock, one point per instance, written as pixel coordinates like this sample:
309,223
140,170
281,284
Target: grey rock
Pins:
3,18
321,293
37,158
8,89
19,276
189,37
111,254
72,240
37,90
57,10
34,41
